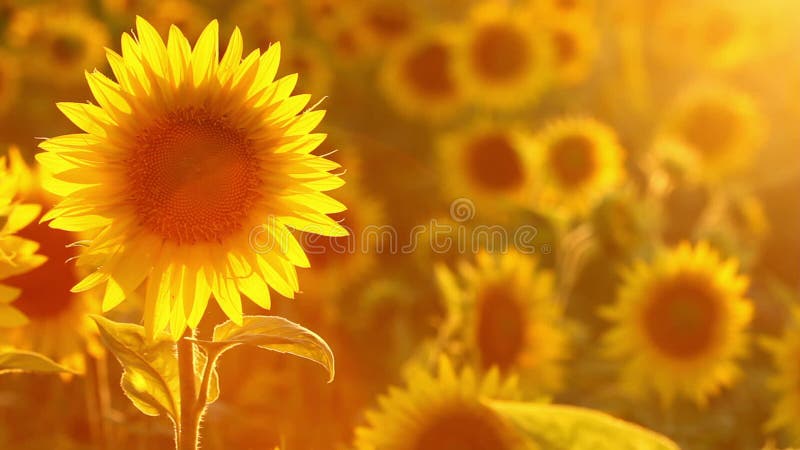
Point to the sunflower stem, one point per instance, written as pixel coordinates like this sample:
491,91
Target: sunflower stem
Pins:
94,415
190,416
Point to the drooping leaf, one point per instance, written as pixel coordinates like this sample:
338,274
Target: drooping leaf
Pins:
150,376
13,360
560,427
279,335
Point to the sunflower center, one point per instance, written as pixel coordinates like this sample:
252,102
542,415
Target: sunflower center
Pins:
193,177
710,129
500,327
572,159
67,49
682,317
565,45
499,53
428,70
462,428
46,289
493,163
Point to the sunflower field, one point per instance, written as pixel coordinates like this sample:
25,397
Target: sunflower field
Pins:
399,224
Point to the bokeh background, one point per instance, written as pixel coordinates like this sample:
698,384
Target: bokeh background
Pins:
413,89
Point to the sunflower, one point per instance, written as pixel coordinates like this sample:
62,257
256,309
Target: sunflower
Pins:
441,412
715,34
577,162
9,81
194,168
17,254
264,21
504,311
567,9
63,40
502,62
417,76
308,59
386,22
574,44
58,324
189,17
486,163
720,127
679,324
786,381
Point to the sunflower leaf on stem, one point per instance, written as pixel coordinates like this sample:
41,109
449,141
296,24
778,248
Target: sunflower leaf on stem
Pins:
273,333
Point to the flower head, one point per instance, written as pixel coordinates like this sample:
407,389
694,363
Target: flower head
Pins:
192,168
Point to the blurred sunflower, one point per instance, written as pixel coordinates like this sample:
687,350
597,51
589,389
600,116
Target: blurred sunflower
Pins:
679,324
308,59
720,127
56,39
9,81
17,254
188,16
486,163
577,162
502,62
567,9
716,34
574,44
417,76
785,352
191,166
58,324
441,412
504,311
263,22
387,22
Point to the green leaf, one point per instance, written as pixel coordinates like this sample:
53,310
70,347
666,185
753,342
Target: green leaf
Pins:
279,335
150,367
13,360
560,427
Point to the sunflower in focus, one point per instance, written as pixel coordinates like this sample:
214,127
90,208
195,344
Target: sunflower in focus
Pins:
721,129
417,76
576,163
503,62
64,40
785,352
504,309
574,44
487,163
678,324
17,254
194,168
58,323
441,412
